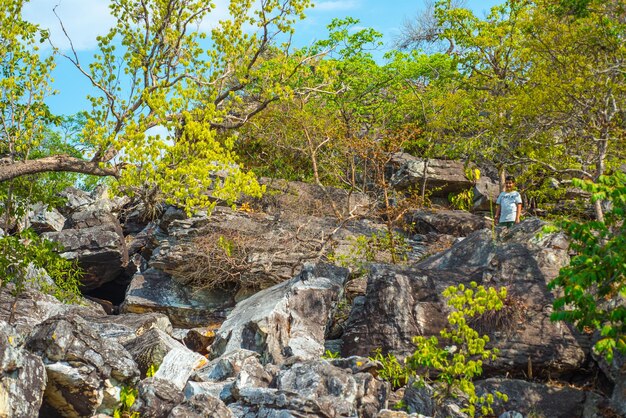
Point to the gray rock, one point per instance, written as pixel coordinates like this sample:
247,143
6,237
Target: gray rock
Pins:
221,390
156,291
401,303
226,366
286,320
156,398
81,366
41,219
450,222
530,398
150,348
178,365
486,193
76,199
22,377
443,176
201,406
32,307
420,398
96,241
127,327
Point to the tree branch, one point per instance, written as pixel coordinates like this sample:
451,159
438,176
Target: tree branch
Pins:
54,163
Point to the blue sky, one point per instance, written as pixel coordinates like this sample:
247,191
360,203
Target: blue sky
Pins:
85,19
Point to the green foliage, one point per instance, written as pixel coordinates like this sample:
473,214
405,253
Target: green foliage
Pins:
128,395
457,364
331,355
152,370
593,286
392,370
18,252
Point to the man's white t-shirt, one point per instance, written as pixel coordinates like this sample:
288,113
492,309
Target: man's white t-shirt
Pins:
508,202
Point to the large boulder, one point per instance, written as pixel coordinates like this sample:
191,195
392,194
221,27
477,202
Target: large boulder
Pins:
94,238
402,302
442,176
449,222
288,319
31,307
22,377
155,291
156,398
85,372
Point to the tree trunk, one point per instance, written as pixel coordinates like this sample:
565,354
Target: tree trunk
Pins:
55,163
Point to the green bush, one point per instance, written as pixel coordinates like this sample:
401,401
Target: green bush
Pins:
19,251
451,363
592,288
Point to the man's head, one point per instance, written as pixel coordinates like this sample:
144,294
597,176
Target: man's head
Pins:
509,183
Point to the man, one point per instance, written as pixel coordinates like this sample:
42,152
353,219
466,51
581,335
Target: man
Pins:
508,205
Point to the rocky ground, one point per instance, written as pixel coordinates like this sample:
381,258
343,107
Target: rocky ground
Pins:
238,308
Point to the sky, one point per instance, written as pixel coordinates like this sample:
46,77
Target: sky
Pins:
84,20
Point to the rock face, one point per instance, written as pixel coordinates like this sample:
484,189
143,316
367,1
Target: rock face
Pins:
95,239
442,176
22,377
82,368
286,320
400,303
449,222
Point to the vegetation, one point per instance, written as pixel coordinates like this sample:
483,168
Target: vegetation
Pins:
456,359
592,288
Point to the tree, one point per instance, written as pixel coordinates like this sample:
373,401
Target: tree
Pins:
151,71
592,288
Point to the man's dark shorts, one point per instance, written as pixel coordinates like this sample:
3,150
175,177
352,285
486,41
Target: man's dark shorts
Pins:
507,224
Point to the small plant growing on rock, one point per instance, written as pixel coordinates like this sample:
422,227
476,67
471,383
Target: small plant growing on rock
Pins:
455,365
456,359
128,395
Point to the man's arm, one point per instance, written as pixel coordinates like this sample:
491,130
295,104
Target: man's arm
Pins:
519,213
496,218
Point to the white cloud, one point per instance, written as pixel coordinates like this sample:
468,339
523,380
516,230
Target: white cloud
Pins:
335,5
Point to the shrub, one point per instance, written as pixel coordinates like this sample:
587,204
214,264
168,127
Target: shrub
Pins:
18,252
593,286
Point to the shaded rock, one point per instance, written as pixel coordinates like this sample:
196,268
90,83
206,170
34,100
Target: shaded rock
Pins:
443,176
251,374
75,200
535,398
156,291
264,402
616,373
199,339
420,398
81,365
285,320
221,390
201,406
449,222
22,378
401,303
156,398
96,241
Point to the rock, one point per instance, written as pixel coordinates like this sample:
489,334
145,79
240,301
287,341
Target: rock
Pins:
156,398
401,303
616,373
449,222
420,398
286,320
178,364
127,327
226,366
156,291
81,366
32,307
41,219
22,377
535,398
266,403
96,241
387,413
150,348
443,176
486,192
201,406
220,390
75,200
199,339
